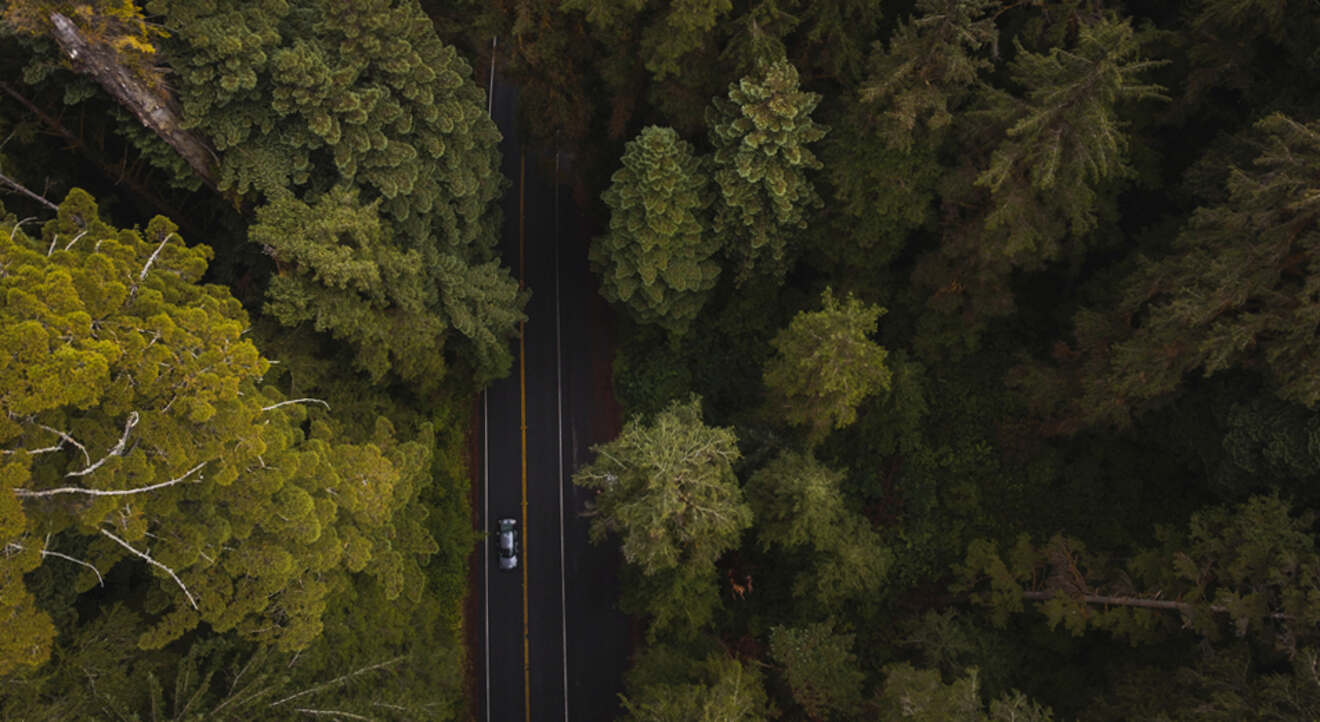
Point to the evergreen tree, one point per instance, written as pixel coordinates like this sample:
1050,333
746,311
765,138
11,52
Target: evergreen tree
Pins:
931,63
760,134
799,506
668,686
919,694
825,365
657,258
135,422
1251,570
820,667
1237,292
667,30
667,488
1059,154
1064,139
357,112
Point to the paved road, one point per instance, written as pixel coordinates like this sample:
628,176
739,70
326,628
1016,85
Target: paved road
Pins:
557,651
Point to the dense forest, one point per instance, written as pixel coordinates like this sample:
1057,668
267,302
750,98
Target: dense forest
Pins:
963,346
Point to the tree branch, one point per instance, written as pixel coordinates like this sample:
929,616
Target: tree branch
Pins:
143,275
28,493
334,712
48,553
153,111
116,451
69,439
295,401
340,680
106,169
1140,602
145,557
23,189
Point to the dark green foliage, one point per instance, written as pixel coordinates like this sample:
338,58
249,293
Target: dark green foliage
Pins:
1250,571
667,685
819,665
799,507
930,65
370,144
920,694
994,177
1064,139
1236,291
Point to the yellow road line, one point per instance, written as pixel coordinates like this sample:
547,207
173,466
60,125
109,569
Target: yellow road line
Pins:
522,410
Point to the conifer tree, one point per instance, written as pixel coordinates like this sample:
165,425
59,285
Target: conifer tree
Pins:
357,111
824,365
657,259
760,134
1237,291
1059,154
820,667
1252,570
1064,138
799,507
135,421
921,695
667,488
929,68
666,685
668,30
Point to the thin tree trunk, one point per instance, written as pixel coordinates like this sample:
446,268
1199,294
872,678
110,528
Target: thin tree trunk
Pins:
1100,599
153,110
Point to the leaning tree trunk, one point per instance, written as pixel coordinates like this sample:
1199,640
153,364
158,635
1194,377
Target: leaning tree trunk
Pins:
155,112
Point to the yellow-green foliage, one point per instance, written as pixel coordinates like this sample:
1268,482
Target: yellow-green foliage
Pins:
118,24
116,346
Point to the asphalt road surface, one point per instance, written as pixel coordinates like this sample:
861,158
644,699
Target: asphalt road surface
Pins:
554,643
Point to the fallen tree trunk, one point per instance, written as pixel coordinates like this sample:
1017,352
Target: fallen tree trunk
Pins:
155,112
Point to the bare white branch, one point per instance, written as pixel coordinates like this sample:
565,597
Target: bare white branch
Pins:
69,439
295,401
340,680
145,557
116,451
332,712
49,553
75,240
161,247
33,452
108,492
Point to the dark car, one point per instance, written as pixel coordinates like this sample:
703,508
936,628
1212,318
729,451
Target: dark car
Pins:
507,543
